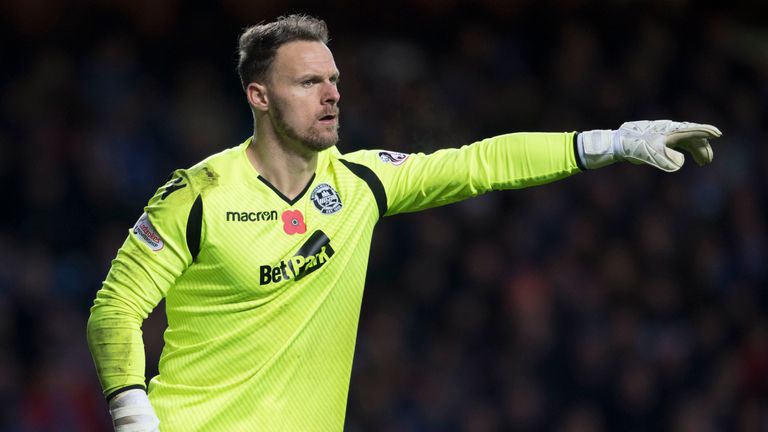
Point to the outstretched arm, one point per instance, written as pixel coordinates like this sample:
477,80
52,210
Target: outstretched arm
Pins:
414,182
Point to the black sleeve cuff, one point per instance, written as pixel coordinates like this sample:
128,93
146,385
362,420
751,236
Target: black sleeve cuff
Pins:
120,390
576,152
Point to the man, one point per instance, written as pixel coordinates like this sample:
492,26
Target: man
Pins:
261,250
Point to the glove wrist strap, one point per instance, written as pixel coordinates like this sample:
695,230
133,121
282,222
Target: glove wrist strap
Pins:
131,411
599,148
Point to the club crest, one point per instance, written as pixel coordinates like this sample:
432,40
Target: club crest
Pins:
326,199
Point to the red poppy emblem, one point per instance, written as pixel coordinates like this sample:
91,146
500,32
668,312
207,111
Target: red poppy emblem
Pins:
293,222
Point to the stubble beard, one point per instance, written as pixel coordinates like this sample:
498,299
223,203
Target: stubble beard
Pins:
311,140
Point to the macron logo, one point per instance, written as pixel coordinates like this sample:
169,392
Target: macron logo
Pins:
257,216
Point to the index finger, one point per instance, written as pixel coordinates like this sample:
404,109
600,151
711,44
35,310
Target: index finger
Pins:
708,129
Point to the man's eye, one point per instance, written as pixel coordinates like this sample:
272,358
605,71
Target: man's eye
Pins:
307,83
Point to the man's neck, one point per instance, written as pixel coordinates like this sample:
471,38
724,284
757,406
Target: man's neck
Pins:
286,169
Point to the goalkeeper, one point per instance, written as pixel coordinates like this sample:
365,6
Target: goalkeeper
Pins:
261,250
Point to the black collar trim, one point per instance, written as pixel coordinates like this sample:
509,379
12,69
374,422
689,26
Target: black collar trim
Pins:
285,198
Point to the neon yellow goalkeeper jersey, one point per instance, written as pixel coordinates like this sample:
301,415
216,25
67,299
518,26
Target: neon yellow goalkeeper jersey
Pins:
263,292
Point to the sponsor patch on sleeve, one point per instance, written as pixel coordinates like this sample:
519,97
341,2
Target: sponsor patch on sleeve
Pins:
144,231
395,158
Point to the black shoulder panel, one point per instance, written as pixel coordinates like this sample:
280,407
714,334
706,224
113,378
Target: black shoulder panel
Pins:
369,177
194,227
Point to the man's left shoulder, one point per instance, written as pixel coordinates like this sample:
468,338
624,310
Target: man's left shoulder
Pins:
376,158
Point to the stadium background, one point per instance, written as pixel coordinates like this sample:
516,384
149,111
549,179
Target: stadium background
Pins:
624,299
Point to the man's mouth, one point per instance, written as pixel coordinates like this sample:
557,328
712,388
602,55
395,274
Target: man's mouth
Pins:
329,117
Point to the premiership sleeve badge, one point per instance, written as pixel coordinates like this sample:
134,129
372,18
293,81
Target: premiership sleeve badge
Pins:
394,158
146,232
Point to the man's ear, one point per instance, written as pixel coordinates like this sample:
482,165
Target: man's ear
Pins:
257,96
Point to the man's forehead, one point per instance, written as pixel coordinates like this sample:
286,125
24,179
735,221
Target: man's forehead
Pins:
304,56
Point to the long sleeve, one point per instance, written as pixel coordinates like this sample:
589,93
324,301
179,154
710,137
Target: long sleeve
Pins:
155,253
418,181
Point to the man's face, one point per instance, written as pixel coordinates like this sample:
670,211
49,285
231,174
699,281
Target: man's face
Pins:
303,97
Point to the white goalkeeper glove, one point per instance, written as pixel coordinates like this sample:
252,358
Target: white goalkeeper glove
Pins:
132,412
650,142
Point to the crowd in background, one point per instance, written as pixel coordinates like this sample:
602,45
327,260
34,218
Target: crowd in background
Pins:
621,299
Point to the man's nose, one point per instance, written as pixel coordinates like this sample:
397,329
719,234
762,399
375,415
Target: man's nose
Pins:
331,93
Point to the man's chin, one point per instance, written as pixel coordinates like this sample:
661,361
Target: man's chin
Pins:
321,143
318,146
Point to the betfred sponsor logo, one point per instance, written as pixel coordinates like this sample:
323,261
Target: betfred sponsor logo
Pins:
312,255
144,231
257,216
